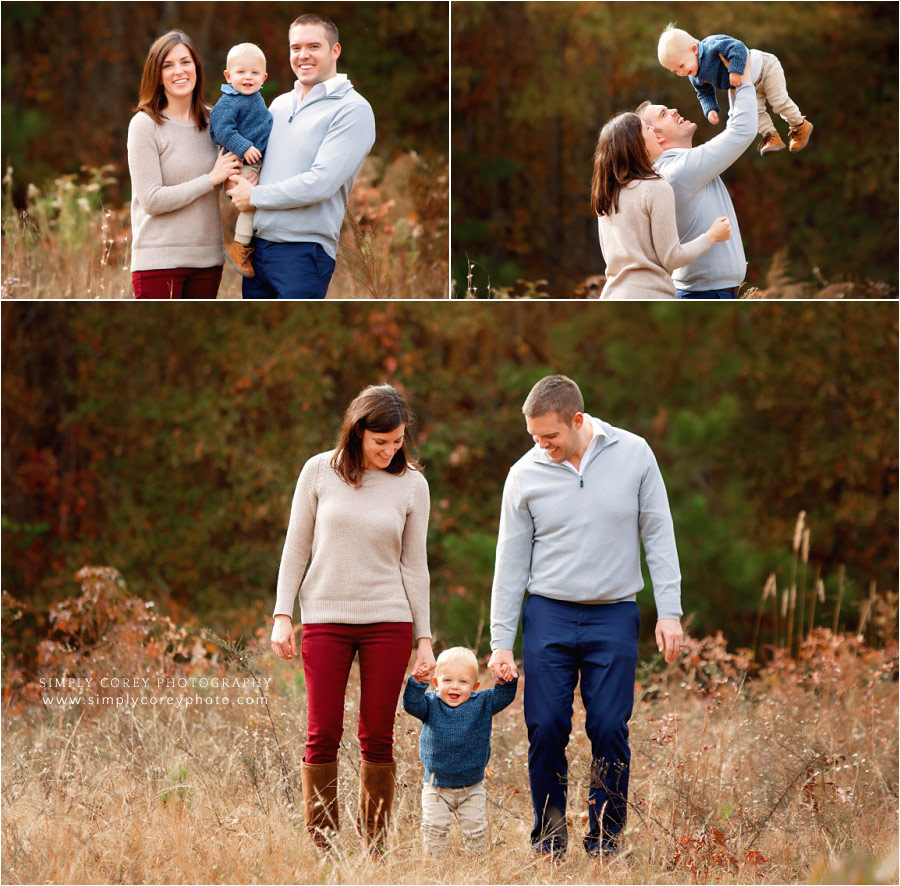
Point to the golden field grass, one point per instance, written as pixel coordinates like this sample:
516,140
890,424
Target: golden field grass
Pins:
788,777
68,242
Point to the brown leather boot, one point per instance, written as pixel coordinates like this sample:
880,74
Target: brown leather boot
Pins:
239,256
320,801
799,136
771,143
376,797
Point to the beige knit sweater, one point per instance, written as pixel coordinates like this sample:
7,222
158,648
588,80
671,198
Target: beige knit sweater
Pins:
175,218
640,243
365,547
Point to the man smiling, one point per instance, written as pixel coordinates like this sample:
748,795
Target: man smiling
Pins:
700,195
323,129
576,509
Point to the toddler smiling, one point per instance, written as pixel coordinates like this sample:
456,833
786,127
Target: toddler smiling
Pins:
455,746
717,62
240,122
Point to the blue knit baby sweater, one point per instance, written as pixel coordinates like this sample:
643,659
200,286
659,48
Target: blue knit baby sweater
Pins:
455,744
711,73
239,122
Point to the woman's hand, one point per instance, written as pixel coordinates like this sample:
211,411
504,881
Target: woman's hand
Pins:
423,669
226,164
284,643
720,230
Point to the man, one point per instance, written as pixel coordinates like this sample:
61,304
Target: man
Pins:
700,195
323,129
575,510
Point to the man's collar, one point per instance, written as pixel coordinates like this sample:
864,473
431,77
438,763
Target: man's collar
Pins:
326,87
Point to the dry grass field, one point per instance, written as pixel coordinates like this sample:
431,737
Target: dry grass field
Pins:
67,243
788,776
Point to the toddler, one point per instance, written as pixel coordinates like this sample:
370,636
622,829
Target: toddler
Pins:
718,62
240,122
455,746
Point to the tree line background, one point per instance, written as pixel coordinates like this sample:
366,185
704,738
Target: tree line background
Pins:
533,84
167,443
72,71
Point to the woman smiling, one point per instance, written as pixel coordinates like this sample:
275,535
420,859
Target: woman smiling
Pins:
177,246
359,518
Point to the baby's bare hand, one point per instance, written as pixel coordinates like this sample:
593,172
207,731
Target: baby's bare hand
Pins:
713,117
735,79
252,155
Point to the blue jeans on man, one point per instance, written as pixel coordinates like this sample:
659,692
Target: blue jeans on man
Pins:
708,293
288,270
599,642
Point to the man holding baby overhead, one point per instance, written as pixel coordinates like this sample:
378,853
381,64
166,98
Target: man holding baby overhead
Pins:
693,172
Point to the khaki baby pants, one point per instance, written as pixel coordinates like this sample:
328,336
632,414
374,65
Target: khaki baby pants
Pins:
438,807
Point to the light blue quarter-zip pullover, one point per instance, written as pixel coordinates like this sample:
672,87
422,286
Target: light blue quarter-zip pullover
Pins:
576,536
315,151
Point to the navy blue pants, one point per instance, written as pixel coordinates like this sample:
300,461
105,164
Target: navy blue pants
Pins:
561,641
288,270
708,293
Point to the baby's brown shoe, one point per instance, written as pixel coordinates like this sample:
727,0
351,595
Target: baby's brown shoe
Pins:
771,143
799,135
239,256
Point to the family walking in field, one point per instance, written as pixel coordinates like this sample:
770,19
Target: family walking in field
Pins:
575,511
667,224
288,168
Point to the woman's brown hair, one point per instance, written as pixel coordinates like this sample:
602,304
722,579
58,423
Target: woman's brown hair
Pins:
380,409
152,99
621,157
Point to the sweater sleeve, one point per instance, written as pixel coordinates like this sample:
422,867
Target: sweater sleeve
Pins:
706,93
700,165
658,537
223,128
298,543
414,701
414,558
146,172
349,139
659,201
502,695
512,566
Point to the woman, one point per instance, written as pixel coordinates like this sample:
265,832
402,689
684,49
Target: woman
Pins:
177,249
361,511
636,209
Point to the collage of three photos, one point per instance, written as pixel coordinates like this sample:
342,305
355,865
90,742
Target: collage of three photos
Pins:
538,520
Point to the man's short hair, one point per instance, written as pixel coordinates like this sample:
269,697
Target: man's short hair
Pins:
331,31
244,50
554,393
642,107
673,44
457,655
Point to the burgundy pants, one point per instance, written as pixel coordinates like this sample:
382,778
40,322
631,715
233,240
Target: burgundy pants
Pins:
327,651
177,283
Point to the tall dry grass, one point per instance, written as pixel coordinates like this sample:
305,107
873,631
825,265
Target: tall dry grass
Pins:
70,242
788,776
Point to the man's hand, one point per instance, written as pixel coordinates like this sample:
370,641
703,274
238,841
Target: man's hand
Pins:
713,117
240,193
734,79
252,155
503,666
669,637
